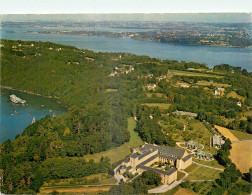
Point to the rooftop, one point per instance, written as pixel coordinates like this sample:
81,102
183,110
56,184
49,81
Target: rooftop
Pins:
133,155
171,171
149,159
126,160
128,168
168,157
145,154
164,150
187,157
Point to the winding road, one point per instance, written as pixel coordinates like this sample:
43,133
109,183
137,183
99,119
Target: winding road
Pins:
165,188
117,176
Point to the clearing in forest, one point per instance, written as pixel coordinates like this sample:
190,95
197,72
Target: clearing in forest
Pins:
159,95
226,133
187,73
162,106
111,90
206,83
241,155
233,94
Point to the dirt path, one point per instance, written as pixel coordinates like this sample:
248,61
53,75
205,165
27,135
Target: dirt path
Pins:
219,169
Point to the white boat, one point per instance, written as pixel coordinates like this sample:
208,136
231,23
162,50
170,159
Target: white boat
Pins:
16,99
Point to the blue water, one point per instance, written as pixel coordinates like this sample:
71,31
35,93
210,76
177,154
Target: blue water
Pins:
14,118
202,54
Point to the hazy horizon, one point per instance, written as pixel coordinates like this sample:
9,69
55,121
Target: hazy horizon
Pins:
158,17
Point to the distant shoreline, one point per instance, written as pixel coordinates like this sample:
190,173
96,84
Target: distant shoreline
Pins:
119,35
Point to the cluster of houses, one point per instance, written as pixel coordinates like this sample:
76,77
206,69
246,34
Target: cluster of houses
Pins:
145,156
15,48
118,71
219,91
56,49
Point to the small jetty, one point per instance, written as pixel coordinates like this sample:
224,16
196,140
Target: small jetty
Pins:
16,99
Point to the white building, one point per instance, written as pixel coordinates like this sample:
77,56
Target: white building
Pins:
217,92
184,85
151,86
216,140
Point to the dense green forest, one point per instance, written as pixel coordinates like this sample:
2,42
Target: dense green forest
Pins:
98,104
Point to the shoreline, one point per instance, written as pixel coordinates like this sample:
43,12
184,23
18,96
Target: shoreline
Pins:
149,40
36,94
230,46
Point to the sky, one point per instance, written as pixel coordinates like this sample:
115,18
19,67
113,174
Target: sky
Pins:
123,6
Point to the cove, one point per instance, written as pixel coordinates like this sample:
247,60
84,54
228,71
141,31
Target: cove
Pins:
16,117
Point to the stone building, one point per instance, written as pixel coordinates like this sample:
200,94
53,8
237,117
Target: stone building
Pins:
216,140
148,154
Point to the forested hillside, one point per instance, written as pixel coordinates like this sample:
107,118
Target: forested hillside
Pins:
100,91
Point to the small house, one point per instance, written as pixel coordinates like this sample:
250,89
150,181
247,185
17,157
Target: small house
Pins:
151,86
184,85
239,104
217,92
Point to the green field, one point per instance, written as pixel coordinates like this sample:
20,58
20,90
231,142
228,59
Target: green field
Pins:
233,94
206,83
162,106
159,95
212,163
241,135
104,179
202,173
186,73
122,151
180,175
248,113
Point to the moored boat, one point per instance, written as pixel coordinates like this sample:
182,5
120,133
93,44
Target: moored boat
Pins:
16,99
